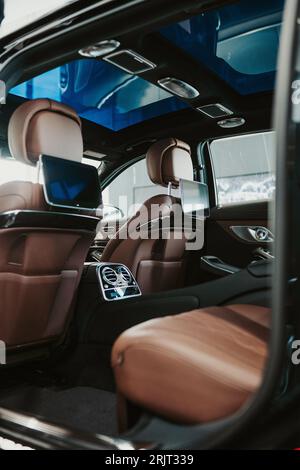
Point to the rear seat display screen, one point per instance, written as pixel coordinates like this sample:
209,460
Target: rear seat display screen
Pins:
194,198
70,184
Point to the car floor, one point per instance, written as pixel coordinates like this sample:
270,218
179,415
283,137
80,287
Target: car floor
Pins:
81,408
78,393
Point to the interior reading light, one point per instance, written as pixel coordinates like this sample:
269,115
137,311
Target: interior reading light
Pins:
100,49
178,87
215,110
130,61
231,123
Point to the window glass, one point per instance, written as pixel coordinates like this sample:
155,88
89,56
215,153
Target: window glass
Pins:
102,93
244,167
239,42
129,190
12,170
20,13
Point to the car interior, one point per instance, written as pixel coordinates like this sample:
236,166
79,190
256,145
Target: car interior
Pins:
103,127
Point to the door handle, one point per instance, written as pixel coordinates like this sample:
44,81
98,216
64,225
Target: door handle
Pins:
215,265
253,233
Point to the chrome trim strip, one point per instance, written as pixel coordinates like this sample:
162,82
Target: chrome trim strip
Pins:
217,267
72,437
248,233
100,265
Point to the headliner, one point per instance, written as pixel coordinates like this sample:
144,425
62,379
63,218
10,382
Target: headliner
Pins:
186,123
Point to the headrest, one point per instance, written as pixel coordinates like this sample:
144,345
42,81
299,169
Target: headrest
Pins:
45,127
168,160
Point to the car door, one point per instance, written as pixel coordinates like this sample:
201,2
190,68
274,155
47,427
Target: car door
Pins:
241,174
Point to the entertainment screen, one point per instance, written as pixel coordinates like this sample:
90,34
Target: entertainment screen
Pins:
194,198
70,184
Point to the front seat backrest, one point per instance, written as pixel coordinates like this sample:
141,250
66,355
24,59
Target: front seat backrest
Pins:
157,264
41,259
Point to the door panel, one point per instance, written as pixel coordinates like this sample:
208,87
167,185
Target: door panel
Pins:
221,240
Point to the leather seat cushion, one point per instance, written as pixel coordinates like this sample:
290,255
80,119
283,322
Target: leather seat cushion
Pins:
194,367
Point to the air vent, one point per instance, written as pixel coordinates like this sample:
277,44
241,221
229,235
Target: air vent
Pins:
130,61
110,276
125,275
215,111
178,87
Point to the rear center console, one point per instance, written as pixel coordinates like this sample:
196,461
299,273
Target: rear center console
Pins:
116,282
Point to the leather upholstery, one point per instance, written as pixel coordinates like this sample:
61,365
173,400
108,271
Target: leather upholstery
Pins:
47,127
168,160
157,264
194,367
40,268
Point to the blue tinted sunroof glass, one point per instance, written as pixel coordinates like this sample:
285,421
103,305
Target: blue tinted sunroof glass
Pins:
101,93
238,42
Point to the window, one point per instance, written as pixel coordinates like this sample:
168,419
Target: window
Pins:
129,190
18,13
239,42
244,167
12,170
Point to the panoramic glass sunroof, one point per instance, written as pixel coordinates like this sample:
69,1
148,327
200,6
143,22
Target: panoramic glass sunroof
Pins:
238,42
102,93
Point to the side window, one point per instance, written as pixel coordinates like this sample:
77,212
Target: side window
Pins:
131,189
12,170
244,168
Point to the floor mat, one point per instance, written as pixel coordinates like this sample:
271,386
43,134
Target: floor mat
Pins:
83,408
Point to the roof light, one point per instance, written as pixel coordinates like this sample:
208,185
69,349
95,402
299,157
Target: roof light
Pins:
100,49
130,61
231,123
215,110
178,87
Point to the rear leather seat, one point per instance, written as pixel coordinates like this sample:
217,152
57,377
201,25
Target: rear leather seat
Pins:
194,367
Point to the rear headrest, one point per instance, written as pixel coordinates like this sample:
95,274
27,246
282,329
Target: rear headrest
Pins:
168,160
46,127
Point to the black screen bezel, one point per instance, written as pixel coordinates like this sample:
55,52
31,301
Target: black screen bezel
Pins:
67,204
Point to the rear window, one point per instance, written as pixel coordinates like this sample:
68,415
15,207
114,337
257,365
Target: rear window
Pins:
244,167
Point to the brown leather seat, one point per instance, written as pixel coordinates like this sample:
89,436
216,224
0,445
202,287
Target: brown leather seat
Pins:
40,266
157,265
194,367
